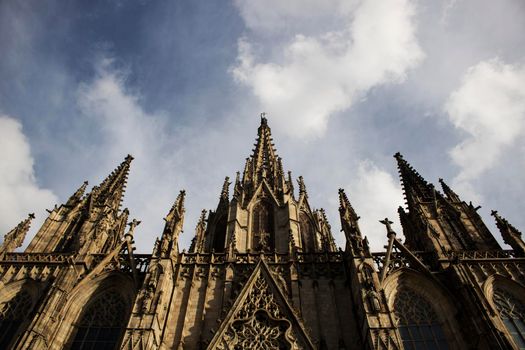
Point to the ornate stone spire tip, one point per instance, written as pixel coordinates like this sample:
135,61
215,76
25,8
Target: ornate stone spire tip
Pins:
264,121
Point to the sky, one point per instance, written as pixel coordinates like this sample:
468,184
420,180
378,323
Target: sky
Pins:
180,85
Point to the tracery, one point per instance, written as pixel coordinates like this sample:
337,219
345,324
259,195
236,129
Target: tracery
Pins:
512,313
418,325
102,324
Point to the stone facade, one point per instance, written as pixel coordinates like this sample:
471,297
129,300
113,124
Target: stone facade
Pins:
263,272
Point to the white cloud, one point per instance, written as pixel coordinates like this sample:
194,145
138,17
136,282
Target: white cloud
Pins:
19,189
375,194
127,128
489,107
314,76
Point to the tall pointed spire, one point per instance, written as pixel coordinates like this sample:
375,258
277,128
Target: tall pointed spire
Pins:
510,234
111,190
168,244
415,187
14,238
264,162
355,243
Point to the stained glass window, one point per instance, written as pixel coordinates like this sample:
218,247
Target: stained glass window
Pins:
12,313
418,323
102,324
512,313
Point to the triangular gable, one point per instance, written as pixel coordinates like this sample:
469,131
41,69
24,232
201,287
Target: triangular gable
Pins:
264,187
261,318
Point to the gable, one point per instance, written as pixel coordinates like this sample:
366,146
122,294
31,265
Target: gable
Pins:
261,318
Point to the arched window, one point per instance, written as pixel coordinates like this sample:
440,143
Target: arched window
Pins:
307,233
12,314
102,324
512,313
418,323
262,227
220,235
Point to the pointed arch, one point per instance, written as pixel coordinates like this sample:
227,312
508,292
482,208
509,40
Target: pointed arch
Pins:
102,323
78,313
424,311
508,300
262,226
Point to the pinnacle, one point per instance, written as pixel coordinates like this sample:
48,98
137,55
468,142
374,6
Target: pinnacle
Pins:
225,189
111,190
414,184
448,191
344,205
302,186
263,164
502,223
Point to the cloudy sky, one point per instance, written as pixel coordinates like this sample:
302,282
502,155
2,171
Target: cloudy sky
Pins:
180,85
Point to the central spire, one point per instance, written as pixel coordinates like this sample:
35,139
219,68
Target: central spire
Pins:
264,164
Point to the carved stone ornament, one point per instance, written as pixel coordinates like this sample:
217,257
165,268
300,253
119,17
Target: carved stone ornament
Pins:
261,318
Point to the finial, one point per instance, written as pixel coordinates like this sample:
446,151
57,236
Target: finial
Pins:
387,223
180,199
202,218
264,121
132,225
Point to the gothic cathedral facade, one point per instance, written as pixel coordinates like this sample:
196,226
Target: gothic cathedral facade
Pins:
263,272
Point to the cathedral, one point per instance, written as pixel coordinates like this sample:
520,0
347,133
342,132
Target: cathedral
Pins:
263,272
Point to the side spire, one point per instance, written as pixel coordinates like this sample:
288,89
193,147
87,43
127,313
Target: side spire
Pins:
197,244
77,196
414,185
111,190
302,187
355,243
168,244
225,192
510,234
14,238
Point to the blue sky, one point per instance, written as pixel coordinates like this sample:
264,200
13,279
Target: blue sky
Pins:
180,86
